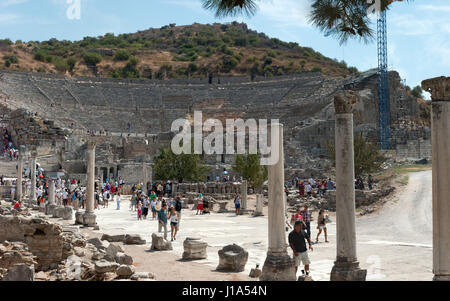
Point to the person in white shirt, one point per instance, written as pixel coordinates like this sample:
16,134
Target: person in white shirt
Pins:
173,217
118,200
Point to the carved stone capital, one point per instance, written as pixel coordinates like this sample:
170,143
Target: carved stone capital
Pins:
91,144
438,87
344,102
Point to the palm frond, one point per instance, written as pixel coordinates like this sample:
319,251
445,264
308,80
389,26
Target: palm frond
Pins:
225,8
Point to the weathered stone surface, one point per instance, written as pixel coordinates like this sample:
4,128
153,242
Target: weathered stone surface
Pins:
232,258
113,238
111,251
103,266
125,271
50,209
122,258
100,245
20,272
58,212
159,243
133,239
194,249
255,273
142,275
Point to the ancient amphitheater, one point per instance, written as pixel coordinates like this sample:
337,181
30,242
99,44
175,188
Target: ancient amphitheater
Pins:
56,114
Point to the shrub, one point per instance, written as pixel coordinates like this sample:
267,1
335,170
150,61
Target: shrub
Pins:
91,59
122,55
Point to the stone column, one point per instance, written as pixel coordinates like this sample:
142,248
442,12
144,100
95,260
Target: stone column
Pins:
259,205
19,192
51,192
279,266
244,190
346,266
33,179
89,218
440,137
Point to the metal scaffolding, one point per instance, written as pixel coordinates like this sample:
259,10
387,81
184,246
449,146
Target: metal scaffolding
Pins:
383,83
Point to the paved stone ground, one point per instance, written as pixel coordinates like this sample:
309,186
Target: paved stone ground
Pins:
393,244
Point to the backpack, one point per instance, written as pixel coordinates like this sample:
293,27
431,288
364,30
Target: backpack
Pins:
107,196
178,205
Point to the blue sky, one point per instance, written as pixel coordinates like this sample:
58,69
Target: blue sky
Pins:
418,32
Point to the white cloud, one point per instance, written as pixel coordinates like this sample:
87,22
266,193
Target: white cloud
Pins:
5,3
286,12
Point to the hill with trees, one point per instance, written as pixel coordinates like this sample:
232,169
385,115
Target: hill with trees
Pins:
171,51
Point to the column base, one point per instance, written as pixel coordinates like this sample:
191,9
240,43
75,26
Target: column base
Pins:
347,271
278,268
79,218
441,278
89,219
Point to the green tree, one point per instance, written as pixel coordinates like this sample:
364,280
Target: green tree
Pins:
417,92
71,62
183,167
250,169
122,55
61,65
92,59
367,156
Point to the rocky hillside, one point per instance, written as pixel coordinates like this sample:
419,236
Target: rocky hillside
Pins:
170,52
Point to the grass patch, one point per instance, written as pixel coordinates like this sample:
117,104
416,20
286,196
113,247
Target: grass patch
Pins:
410,168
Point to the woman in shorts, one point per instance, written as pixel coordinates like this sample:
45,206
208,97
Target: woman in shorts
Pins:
322,225
173,217
200,204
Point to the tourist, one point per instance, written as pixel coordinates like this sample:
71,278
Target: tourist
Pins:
17,205
162,220
200,204
306,216
322,225
301,188
286,190
118,201
153,206
145,207
133,202
206,206
178,207
173,217
237,204
330,184
65,196
308,189
297,216
370,182
297,243
105,198
139,210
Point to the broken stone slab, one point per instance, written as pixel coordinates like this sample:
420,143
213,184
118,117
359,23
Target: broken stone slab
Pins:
159,243
20,272
194,249
79,217
103,266
58,212
111,251
122,258
125,271
50,208
100,245
232,258
68,213
113,238
133,239
142,275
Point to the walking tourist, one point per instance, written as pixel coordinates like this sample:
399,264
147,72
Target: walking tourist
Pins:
298,245
322,225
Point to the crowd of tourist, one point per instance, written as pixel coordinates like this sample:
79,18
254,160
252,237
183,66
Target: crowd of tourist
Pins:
8,149
165,208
